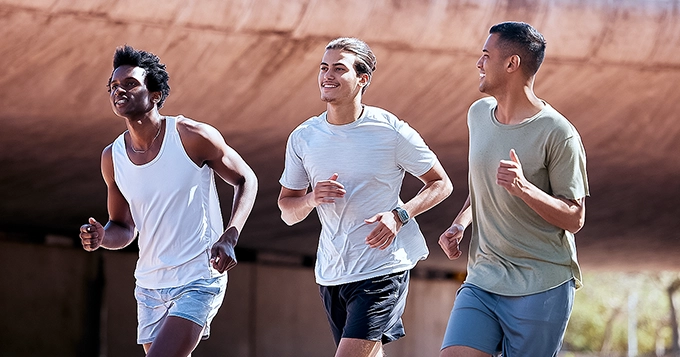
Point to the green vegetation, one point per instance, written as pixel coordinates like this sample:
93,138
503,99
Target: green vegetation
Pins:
600,319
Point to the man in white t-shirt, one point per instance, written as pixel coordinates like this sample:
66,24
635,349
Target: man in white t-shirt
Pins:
354,158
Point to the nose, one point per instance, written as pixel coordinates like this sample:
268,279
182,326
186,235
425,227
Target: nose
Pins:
479,62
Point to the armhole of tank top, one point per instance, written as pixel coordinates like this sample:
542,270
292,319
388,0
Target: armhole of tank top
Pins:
178,140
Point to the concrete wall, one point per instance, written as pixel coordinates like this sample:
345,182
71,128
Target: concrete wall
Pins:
61,301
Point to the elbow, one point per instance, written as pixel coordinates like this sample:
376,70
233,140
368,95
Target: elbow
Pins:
288,219
286,216
576,226
448,187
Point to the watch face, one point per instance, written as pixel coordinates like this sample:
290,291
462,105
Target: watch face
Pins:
403,215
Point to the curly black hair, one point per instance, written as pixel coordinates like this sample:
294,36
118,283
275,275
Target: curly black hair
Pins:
156,75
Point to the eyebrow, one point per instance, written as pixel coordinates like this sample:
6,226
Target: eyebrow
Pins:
334,64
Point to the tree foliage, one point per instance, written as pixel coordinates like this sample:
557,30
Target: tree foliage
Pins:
599,321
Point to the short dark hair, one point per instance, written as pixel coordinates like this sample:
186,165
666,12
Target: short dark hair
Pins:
156,75
521,39
365,62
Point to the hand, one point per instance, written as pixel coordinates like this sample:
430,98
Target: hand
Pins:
450,241
327,191
510,175
383,234
91,235
222,254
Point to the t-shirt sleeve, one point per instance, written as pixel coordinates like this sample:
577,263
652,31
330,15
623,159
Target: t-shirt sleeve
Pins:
294,175
412,154
567,169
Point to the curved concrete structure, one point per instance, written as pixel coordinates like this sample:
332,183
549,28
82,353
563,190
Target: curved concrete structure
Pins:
249,68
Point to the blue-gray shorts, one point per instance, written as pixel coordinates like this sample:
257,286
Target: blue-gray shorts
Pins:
369,309
197,301
531,325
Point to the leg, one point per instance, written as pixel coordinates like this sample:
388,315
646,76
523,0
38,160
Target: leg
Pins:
534,325
177,337
473,328
354,347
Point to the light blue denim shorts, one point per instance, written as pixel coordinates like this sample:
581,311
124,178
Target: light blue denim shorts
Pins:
527,326
197,301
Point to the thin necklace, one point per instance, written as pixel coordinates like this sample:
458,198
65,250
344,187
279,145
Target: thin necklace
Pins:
152,141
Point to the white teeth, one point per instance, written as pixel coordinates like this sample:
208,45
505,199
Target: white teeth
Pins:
327,85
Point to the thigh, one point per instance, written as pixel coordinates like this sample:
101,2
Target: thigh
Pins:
375,306
177,338
534,325
351,347
473,324
198,301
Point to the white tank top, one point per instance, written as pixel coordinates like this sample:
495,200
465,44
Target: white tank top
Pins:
176,210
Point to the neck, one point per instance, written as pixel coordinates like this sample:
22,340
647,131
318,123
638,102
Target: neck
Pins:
340,114
144,131
518,104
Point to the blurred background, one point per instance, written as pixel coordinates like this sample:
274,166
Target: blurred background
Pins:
249,68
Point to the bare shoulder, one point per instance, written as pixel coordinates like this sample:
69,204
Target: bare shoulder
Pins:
107,163
202,141
193,130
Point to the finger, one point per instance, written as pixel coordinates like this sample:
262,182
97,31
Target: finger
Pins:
232,263
387,242
373,237
376,243
513,156
333,177
507,164
371,220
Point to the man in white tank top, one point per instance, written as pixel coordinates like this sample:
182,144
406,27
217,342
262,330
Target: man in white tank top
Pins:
160,177
354,157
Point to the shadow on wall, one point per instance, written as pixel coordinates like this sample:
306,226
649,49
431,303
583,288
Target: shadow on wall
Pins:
64,301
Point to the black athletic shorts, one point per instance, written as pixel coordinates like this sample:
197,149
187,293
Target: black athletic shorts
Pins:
369,309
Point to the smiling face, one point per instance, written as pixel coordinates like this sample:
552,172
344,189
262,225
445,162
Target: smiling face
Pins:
338,80
492,66
129,94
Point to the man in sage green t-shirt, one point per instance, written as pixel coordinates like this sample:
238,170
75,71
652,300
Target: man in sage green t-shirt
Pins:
528,183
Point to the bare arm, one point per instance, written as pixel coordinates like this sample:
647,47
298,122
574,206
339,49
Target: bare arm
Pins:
295,205
450,240
119,230
205,145
561,212
437,186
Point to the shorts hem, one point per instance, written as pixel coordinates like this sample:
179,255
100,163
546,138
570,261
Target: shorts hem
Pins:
188,317
143,342
478,348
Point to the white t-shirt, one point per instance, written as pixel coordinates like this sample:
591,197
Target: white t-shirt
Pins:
370,156
176,210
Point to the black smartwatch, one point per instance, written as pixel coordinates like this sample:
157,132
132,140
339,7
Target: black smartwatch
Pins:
402,214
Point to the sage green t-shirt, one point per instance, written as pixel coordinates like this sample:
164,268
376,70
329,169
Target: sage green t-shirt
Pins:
513,251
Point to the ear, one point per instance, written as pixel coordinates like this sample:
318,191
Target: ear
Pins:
513,63
364,79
